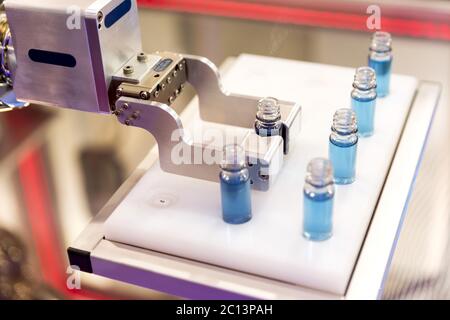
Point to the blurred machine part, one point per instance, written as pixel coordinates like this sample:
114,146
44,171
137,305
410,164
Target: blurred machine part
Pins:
8,98
16,282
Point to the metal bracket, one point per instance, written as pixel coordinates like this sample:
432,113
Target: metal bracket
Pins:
264,155
143,99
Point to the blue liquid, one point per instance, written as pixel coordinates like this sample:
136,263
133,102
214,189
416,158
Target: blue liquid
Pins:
236,200
383,72
343,158
318,216
365,114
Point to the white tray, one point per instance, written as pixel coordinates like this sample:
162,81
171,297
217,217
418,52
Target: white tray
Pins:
188,224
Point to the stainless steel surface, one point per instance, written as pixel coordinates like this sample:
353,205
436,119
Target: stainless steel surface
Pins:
62,27
162,81
190,279
140,67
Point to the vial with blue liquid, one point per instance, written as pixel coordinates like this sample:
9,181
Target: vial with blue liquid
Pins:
343,146
318,199
268,118
380,59
363,98
235,186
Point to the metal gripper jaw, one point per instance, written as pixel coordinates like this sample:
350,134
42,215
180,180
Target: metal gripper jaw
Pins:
141,95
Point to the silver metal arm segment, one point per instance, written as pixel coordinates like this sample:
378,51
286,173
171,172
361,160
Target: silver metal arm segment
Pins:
148,84
264,155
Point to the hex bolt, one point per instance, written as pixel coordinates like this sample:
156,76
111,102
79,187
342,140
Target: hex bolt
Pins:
127,70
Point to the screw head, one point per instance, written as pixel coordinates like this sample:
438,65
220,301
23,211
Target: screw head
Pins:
100,17
128,122
156,94
180,66
144,95
119,92
174,73
169,80
163,86
125,106
171,99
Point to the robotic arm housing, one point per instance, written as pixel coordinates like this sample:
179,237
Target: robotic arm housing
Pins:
88,56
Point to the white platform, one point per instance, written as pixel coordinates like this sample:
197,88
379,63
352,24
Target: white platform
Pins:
188,224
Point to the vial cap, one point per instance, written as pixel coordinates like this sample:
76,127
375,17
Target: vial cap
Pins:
319,172
381,42
344,121
233,158
268,110
365,78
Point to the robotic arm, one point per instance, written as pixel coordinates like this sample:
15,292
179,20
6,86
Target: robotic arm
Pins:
87,55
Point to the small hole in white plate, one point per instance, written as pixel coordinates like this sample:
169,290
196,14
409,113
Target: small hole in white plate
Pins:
163,200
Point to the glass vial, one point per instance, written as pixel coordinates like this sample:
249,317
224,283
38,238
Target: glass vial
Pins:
364,97
318,198
235,186
380,59
343,146
268,118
